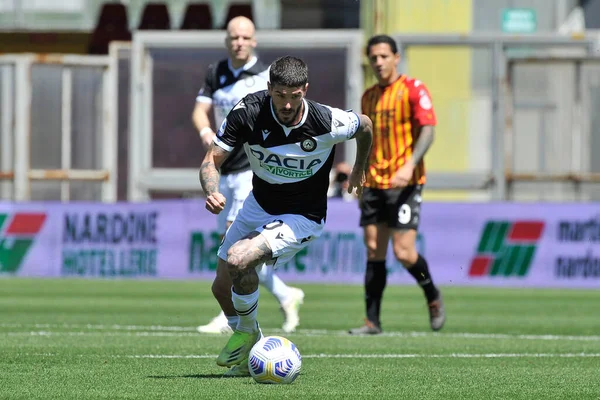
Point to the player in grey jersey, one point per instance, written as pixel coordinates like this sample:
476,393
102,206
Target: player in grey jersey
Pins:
290,143
226,83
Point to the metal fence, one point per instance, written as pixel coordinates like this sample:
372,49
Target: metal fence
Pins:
526,128
57,120
485,108
553,128
167,70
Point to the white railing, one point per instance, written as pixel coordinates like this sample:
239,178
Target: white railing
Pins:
495,174
143,176
563,129
15,134
500,46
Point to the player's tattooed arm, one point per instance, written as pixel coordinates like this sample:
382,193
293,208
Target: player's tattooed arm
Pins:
426,136
209,170
364,138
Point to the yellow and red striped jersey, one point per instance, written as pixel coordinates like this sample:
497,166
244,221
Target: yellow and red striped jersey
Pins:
397,111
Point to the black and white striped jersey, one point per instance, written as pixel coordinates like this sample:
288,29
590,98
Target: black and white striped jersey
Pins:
224,87
291,165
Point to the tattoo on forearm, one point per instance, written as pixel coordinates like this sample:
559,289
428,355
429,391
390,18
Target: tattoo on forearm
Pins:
364,137
209,177
423,143
209,170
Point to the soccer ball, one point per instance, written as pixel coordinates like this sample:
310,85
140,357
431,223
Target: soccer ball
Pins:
274,359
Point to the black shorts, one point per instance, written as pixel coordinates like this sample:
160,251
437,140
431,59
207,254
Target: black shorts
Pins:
398,208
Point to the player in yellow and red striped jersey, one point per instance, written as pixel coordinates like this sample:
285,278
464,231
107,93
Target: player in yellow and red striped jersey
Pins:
399,110
403,130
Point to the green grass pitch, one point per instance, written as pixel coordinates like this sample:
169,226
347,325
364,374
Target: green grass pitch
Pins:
93,339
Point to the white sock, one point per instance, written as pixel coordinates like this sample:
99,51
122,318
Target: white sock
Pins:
232,321
273,283
246,306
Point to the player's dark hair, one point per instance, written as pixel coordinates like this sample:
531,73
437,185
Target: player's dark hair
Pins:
288,71
378,39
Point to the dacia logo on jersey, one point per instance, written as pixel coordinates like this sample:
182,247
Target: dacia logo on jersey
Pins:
308,145
288,167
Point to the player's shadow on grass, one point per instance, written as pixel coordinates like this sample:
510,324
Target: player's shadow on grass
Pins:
195,376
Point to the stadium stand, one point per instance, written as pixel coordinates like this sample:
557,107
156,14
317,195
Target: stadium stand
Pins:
155,17
112,25
197,17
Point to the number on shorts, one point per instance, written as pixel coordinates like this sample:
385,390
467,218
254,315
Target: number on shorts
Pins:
272,225
404,214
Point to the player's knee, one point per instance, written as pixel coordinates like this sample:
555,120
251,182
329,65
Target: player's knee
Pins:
375,252
236,257
405,254
371,245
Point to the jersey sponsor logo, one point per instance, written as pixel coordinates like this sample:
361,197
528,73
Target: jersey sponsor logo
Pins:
308,145
287,172
288,167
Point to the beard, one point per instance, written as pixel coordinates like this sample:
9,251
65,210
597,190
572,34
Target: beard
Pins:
288,118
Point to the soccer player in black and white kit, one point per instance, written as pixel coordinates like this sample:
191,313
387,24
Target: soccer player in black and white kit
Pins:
226,83
290,142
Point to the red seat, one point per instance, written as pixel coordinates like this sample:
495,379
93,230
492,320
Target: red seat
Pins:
113,13
238,10
155,17
112,25
197,16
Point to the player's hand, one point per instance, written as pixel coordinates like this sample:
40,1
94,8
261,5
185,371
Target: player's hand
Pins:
207,138
403,176
356,180
215,203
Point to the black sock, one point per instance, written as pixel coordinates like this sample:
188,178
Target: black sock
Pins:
420,271
375,280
